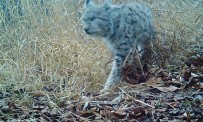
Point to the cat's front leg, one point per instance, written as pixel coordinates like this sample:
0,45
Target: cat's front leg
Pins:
115,74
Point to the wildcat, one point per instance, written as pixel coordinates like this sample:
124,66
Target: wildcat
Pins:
121,28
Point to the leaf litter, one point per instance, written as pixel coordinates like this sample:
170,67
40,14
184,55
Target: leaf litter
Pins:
152,95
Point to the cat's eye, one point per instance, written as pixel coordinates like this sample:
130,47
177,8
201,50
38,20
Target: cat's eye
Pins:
92,19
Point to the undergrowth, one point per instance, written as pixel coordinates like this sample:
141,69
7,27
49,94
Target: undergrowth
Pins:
44,47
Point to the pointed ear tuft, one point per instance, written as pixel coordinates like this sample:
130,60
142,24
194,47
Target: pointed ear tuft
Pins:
107,3
88,3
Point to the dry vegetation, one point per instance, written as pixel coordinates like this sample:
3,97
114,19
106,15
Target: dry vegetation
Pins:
48,52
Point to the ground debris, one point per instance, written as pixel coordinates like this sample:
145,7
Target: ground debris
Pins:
152,95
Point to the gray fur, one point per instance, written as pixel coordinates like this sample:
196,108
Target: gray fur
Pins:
121,27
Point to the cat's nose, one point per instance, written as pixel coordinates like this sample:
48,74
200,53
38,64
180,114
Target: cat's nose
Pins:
86,30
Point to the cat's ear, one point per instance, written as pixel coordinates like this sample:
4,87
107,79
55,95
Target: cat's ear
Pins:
107,3
88,3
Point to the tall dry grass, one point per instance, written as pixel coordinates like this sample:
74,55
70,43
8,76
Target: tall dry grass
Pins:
42,52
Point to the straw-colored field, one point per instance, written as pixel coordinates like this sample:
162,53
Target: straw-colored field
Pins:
49,52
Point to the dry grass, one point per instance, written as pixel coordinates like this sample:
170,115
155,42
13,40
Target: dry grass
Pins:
37,50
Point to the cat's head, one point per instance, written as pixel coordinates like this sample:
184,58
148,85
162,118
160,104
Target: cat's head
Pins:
96,19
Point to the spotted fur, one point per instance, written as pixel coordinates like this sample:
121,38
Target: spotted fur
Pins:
121,27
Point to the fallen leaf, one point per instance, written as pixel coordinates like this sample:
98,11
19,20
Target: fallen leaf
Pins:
153,81
166,89
186,75
198,85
